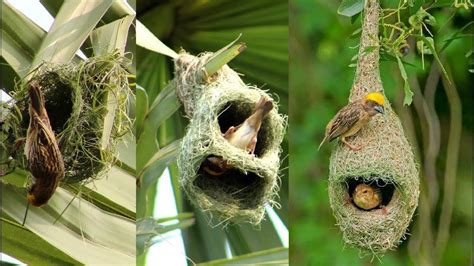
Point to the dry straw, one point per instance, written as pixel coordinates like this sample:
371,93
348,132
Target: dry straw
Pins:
386,160
82,99
213,104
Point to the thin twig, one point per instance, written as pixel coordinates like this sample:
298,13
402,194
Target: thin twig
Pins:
452,155
432,149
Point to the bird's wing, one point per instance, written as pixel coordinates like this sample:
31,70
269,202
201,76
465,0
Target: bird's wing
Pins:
344,120
46,145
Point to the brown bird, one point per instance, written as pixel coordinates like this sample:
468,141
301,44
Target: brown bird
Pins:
352,117
243,136
367,197
42,151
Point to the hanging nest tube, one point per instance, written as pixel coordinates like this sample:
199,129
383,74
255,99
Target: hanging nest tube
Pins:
87,104
386,161
214,105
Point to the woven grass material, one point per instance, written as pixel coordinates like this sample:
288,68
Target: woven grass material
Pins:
386,158
213,105
78,97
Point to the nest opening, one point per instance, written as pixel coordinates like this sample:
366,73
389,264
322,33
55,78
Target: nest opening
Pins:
386,188
234,113
232,187
58,97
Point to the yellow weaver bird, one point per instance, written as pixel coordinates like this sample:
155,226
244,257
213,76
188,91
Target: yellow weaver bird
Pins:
352,117
243,136
367,197
42,151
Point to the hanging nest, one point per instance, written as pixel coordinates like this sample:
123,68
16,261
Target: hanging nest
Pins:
87,104
386,161
214,105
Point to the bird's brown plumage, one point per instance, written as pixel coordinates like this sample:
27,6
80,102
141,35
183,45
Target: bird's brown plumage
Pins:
42,151
350,119
243,136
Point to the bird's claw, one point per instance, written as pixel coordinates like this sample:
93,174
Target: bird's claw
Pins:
354,147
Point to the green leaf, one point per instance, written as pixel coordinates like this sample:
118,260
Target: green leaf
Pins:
158,162
152,172
147,40
350,8
243,239
112,36
116,187
406,87
210,240
163,107
430,44
148,228
422,48
21,38
141,109
21,243
223,56
72,26
84,232
456,35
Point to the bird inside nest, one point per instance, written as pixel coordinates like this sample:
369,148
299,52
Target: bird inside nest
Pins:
42,151
367,198
352,117
243,136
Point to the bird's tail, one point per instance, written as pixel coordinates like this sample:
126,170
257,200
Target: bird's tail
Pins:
264,105
36,97
322,142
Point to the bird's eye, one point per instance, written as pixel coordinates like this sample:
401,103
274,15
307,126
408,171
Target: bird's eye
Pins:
365,191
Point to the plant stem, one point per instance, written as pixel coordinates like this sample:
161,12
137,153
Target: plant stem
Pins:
452,155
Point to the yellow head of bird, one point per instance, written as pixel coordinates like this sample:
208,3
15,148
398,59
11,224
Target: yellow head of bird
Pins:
376,97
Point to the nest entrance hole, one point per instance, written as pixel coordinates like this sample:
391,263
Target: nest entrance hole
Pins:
234,113
386,188
58,96
232,187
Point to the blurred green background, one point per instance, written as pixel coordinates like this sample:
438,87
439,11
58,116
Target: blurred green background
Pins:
321,49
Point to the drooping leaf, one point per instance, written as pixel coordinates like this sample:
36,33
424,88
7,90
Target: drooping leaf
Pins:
146,39
350,8
406,87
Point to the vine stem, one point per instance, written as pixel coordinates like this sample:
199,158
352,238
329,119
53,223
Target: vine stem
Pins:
367,77
452,155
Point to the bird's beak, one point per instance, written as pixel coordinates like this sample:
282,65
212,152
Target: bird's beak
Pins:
379,108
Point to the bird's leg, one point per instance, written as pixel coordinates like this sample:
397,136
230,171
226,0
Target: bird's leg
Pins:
352,147
384,209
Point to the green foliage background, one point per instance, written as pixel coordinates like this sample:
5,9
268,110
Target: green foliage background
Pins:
321,47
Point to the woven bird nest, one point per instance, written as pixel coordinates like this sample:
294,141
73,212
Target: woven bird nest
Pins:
87,104
213,105
386,161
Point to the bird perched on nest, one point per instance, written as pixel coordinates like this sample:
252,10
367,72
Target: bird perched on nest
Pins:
42,151
352,117
367,197
243,136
